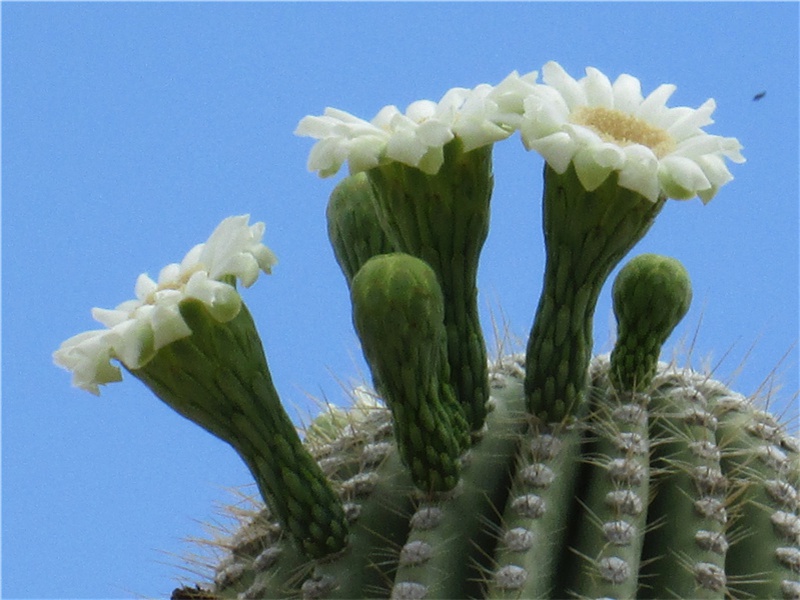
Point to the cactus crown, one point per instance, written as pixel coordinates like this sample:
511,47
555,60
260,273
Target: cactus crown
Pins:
547,474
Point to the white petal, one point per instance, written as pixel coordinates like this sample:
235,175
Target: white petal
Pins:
591,173
627,93
88,355
598,89
640,172
432,161
110,318
169,274
326,157
189,261
420,110
221,299
315,127
714,169
681,178
404,147
557,149
690,123
655,104
364,153
144,286
132,342
545,113
570,90
167,325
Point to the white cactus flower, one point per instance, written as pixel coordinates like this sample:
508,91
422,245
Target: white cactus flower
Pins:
478,116
137,329
602,127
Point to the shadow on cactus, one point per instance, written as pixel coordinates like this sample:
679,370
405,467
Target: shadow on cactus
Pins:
548,474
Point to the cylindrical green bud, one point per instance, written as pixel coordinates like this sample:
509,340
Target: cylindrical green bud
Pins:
443,219
218,378
353,226
398,313
651,294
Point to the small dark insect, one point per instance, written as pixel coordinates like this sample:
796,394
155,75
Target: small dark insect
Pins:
759,96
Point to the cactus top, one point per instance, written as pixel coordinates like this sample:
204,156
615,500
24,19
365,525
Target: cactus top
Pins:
137,329
603,127
599,126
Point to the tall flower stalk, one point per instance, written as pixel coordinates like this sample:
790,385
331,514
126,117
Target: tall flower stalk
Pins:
612,158
430,171
191,340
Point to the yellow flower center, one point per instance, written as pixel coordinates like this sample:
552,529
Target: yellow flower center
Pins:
623,129
178,284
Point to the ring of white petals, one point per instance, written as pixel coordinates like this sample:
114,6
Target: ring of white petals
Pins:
601,127
137,329
478,117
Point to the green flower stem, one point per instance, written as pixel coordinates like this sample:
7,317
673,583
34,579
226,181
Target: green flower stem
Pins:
218,378
353,227
443,219
586,235
398,314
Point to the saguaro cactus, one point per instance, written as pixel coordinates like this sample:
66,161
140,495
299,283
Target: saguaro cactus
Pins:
543,475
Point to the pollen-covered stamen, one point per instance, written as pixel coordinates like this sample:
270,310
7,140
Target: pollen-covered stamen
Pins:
624,129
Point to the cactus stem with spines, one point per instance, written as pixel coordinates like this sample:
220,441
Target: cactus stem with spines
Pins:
218,377
586,235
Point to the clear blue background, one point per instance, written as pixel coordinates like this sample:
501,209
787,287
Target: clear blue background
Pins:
131,130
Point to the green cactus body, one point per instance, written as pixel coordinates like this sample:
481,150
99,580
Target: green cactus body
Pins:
644,498
543,475
652,482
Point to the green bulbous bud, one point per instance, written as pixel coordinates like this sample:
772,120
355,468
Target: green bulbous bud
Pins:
651,294
443,219
353,226
398,312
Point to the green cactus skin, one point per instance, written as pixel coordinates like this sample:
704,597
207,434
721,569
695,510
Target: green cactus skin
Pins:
586,235
561,477
218,378
398,312
670,532
443,219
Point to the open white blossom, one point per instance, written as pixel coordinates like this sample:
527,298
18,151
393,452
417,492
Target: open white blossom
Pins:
602,127
137,329
479,116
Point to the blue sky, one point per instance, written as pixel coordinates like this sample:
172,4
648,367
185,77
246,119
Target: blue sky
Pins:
131,130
